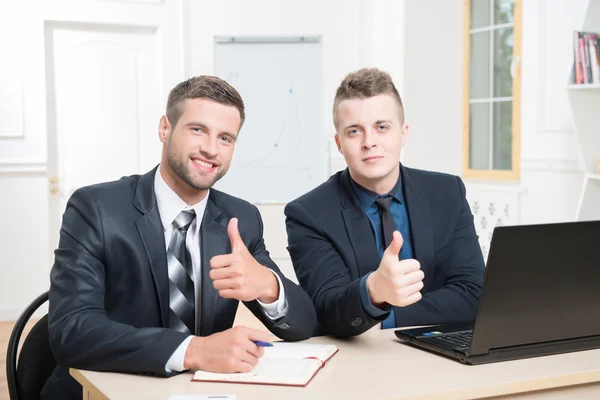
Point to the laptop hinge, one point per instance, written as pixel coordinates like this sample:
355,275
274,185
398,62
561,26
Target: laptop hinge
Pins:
574,344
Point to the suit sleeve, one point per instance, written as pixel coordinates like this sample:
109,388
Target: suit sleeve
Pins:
456,301
80,332
324,275
300,320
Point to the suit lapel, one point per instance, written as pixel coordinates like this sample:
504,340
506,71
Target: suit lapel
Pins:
417,208
358,228
150,229
213,241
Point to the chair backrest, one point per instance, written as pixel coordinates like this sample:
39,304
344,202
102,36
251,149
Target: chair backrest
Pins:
28,371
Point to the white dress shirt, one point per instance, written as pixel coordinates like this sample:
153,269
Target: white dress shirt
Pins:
169,206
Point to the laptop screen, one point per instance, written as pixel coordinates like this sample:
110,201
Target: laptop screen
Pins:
542,284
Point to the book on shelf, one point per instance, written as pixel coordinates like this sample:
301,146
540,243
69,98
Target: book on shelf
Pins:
586,58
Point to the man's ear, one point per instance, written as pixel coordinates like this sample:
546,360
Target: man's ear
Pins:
337,142
164,129
404,134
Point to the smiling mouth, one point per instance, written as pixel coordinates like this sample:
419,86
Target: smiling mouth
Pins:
203,164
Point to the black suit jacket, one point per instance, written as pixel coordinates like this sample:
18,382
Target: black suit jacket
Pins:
332,246
109,297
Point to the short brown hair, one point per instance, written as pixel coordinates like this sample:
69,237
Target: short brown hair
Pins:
365,83
206,87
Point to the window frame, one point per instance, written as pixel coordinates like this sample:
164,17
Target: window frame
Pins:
494,174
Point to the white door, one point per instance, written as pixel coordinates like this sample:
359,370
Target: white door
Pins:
107,83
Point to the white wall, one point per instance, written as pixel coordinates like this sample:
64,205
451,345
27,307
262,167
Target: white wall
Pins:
550,160
551,175
24,253
355,33
418,41
24,240
433,84
26,247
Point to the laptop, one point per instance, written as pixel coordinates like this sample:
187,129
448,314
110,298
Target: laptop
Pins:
540,296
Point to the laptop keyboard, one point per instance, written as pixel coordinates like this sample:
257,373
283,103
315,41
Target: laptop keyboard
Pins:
456,340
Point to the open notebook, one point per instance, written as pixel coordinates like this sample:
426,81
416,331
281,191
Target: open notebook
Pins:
288,364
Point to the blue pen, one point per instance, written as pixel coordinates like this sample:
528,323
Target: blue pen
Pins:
263,344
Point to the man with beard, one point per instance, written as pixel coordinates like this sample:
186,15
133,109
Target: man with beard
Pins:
150,268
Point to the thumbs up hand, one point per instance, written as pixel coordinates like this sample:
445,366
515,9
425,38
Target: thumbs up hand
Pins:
237,244
239,276
396,282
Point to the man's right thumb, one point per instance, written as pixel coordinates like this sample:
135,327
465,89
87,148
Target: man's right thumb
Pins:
396,244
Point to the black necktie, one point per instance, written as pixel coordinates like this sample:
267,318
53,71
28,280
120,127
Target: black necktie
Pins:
387,221
181,276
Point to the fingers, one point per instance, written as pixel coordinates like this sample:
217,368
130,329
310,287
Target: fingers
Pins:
222,261
242,359
413,288
409,265
229,294
249,352
223,284
256,350
249,335
408,295
413,277
245,355
224,273
412,299
396,245
256,335
237,244
245,366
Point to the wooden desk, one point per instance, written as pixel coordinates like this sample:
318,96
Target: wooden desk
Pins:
378,366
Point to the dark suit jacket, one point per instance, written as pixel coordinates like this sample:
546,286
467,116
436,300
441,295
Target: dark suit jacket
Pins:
332,246
109,296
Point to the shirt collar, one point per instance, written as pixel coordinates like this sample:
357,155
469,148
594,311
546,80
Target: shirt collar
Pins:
366,198
170,204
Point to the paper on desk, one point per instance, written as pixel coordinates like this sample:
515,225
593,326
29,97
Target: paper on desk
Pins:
203,397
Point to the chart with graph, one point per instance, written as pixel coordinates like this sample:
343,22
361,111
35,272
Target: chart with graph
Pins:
281,151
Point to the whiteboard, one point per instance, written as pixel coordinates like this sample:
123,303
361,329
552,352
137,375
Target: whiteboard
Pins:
281,151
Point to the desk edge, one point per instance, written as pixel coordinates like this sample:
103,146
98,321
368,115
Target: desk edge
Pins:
508,388
87,385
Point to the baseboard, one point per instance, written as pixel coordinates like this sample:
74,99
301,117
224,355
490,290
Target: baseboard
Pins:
13,313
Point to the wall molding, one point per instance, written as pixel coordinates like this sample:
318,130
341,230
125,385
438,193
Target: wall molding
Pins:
10,313
19,132
23,166
563,131
490,187
551,165
134,1
13,313
12,135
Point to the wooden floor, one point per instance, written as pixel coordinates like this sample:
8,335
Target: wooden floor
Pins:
243,317
5,330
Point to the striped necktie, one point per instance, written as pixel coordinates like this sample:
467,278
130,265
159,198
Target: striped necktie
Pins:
181,276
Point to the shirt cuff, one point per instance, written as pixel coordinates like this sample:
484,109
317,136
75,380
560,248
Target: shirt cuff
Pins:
278,308
369,308
175,362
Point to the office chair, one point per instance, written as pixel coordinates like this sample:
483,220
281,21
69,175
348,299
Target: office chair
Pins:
27,376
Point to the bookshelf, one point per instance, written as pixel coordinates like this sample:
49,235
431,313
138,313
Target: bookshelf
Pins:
584,100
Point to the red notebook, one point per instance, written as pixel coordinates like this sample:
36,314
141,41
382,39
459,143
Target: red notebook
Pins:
287,364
